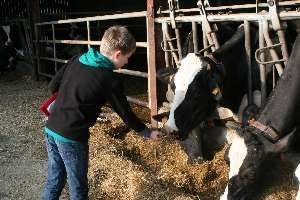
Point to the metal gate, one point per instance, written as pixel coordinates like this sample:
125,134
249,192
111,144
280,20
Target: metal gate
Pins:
151,103
265,14
272,13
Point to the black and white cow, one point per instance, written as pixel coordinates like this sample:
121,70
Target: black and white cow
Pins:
198,91
10,46
272,132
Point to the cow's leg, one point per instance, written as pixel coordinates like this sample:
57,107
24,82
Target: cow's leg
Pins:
297,174
237,154
193,146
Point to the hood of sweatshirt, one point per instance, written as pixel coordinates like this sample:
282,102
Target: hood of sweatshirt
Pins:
93,58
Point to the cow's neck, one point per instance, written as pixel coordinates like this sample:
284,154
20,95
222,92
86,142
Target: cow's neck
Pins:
235,41
280,111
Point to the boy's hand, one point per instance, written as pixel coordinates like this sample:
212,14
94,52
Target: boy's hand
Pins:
155,135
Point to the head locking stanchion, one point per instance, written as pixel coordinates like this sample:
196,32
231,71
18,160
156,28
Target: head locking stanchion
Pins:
277,26
209,31
174,5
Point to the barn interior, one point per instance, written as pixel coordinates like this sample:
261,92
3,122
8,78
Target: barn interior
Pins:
127,167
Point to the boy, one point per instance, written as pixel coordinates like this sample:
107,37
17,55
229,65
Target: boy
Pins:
85,84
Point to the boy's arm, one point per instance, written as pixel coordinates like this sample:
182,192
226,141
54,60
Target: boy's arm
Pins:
119,102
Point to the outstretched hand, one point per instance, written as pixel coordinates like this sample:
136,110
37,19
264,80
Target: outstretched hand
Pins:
155,135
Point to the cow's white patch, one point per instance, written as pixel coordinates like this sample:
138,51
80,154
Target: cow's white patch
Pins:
189,68
237,154
7,31
297,174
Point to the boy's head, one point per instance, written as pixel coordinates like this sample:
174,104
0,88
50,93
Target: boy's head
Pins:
118,44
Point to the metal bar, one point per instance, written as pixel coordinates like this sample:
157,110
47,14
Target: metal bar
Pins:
234,7
167,59
138,44
281,37
132,73
178,42
172,7
209,31
195,37
165,31
248,54
45,74
208,38
269,42
37,52
29,45
54,46
205,42
262,67
284,15
120,71
52,59
273,12
261,50
88,33
98,18
138,102
274,75
151,58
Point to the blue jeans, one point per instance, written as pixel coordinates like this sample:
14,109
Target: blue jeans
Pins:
66,161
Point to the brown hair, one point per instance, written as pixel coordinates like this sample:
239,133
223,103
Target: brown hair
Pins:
117,38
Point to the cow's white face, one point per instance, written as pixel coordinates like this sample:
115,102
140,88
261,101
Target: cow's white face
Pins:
190,66
237,154
7,31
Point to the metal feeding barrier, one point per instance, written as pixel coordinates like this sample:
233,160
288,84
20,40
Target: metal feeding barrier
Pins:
272,13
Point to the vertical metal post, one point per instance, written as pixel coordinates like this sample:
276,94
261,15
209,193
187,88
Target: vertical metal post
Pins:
152,93
262,67
178,41
269,42
54,46
33,9
167,60
29,43
205,42
168,38
273,8
37,50
208,37
285,54
88,33
195,37
248,53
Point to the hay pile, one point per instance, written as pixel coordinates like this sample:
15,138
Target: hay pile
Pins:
124,166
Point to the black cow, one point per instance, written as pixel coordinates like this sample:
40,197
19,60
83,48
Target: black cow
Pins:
10,47
271,132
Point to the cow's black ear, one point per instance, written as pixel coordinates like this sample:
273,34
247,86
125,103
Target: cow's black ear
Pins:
164,74
234,125
207,60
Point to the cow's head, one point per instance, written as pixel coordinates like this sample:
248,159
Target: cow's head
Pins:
246,154
197,90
